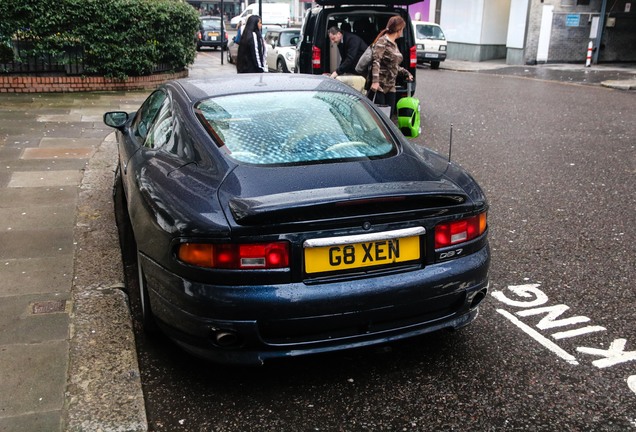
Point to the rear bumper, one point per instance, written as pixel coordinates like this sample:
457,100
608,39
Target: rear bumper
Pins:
211,44
251,324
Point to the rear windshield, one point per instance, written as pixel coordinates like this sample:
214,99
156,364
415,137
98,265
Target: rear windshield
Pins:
210,24
295,127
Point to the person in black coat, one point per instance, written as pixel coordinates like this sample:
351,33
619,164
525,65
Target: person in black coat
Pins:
251,51
351,47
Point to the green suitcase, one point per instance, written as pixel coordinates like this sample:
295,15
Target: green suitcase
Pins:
408,115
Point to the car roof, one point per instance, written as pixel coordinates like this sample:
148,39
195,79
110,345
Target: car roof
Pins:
367,2
222,85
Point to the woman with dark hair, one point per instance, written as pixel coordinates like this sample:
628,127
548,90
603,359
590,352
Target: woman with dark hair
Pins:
387,59
251,51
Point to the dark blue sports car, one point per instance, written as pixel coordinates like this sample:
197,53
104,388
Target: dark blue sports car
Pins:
277,215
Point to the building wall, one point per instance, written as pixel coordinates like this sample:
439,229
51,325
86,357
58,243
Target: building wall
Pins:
423,9
476,30
568,42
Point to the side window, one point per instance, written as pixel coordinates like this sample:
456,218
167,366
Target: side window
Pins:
146,114
270,37
161,128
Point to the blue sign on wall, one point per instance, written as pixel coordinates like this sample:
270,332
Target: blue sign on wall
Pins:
572,20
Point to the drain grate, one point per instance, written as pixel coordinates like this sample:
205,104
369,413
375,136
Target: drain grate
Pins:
46,307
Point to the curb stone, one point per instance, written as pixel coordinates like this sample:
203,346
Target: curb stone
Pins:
104,392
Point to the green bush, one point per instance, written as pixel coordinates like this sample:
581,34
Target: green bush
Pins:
119,38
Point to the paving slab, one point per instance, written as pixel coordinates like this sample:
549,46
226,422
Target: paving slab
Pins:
70,142
45,178
31,197
33,377
35,318
30,275
25,218
58,152
52,243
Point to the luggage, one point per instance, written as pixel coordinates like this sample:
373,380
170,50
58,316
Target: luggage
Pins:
386,109
355,81
408,114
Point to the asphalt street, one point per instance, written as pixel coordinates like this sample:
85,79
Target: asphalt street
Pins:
553,348
552,146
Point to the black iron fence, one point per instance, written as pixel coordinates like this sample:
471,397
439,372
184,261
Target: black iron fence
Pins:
20,57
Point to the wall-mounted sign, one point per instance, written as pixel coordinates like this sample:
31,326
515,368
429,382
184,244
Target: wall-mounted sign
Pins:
572,20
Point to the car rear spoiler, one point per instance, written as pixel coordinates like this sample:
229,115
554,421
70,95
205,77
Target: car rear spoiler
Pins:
318,204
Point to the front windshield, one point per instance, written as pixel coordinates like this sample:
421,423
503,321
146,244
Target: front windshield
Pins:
295,127
425,31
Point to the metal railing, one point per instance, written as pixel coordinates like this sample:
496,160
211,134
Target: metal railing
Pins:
19,57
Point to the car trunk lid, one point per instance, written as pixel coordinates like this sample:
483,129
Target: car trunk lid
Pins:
259,195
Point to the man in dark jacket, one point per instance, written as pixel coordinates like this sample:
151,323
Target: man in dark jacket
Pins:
351,48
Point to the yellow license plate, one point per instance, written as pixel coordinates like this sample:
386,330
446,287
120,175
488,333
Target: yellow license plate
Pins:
359,255
213,34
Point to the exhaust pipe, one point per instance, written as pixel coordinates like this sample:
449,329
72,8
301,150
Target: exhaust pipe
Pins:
478,298
226,338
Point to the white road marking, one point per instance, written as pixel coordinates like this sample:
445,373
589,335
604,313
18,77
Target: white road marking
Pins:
540,338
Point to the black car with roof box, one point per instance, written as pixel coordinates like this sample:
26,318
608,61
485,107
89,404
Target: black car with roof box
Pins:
314,54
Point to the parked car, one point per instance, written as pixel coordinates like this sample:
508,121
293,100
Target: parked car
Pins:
232,51
210,33
281,49
278,215
315,55
431,43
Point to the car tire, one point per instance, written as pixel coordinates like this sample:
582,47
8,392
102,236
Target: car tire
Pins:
146,317
281,66
198,47
229,57
434,65
135,277
122,220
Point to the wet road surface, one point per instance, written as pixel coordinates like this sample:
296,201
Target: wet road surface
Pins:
555,345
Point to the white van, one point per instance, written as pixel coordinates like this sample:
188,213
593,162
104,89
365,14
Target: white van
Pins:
430,42
273,14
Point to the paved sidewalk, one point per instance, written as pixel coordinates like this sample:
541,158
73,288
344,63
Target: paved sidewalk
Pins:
617,76
67,351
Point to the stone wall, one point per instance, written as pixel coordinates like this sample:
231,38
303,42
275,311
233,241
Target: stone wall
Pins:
67,84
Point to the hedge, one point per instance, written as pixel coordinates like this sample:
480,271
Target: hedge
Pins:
118,38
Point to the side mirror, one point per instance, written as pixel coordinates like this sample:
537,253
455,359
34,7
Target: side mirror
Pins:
116,119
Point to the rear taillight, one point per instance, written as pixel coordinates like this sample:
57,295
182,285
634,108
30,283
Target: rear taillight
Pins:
413,56
199,35
459,231
315,57
235,256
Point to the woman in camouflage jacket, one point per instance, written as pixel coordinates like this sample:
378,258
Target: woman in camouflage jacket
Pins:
386,64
